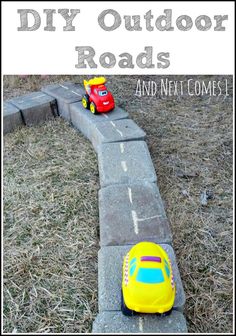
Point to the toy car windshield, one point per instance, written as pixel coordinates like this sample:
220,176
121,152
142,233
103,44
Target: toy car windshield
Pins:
150,275
102,93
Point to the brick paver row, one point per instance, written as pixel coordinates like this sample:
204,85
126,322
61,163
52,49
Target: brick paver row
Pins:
130,205
115,321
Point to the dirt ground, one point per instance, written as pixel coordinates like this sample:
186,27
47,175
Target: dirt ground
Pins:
191,144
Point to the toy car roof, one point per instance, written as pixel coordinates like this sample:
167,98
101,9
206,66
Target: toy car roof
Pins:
95,81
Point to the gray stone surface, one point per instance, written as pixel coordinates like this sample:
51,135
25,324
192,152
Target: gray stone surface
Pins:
12,117
110,261
65,93
77,87
126,162
84,120
116,322
35,107
132,213
115,131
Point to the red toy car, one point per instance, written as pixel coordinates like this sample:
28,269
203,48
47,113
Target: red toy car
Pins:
97,97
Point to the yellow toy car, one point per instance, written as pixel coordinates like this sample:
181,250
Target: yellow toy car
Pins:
148,284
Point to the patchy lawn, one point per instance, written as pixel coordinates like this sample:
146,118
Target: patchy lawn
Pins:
50,230
190,141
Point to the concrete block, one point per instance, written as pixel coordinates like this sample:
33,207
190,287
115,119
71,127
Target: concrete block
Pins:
115,131
12,117
77,87
116,322
84,120
125,163
129,213
65,94
35,107
110,261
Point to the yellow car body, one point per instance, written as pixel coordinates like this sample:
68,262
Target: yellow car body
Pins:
148,285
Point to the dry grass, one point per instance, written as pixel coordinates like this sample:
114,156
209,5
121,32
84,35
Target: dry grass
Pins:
50,230
15,86
193,135
185,134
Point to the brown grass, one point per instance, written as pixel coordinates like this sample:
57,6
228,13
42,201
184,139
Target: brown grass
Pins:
50,230
190,140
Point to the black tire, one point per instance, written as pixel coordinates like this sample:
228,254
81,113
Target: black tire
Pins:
125,310
86,98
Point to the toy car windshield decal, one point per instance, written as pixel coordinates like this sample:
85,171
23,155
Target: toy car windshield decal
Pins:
133,261
167,271
102,93
167,268
132,269
150,275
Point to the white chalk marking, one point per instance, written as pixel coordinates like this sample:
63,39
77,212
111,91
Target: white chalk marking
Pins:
43,95
104,115
140,324
130,195
118,131
147,218
65,87
124,166
121,134
122,148
76,93
135,221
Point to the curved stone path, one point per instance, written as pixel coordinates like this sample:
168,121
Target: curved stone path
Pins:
130,204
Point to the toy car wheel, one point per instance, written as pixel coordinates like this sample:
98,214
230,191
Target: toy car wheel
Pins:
93,108
125,310
85,101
